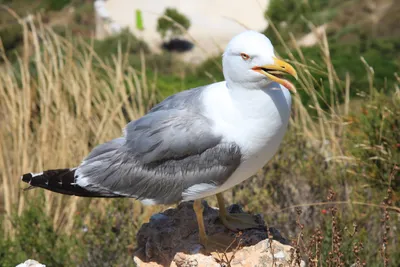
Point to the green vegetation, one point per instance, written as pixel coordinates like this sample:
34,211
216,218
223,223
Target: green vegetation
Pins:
292,14
79,20
381,54
36,236
172,23
350,37
139,20
339,162
55,4
11,36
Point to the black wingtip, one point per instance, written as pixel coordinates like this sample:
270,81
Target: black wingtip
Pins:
60,181
27,178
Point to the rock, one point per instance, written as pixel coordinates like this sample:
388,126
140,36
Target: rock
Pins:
171,239
31,263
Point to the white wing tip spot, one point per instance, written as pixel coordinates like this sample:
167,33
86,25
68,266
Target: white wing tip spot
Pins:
80,179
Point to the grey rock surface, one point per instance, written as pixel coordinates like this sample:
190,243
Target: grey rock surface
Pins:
171,239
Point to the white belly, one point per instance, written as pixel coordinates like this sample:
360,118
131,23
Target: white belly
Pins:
257,123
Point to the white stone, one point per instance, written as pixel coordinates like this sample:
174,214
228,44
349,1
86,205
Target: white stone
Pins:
31,263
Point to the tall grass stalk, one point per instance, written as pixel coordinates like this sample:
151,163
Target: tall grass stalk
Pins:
325,130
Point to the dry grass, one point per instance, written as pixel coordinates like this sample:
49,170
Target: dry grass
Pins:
56,103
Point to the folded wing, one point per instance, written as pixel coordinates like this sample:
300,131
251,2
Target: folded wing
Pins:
162,156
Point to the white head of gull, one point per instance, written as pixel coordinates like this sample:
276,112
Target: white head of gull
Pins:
249,61
196,143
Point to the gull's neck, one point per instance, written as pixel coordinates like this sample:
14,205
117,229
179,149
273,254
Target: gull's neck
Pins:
236,106
259,102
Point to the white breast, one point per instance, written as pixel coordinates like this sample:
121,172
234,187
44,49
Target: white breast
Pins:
256,120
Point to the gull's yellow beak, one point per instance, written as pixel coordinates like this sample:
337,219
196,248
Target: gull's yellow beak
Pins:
275,72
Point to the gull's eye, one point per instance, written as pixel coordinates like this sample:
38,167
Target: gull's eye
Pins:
245,56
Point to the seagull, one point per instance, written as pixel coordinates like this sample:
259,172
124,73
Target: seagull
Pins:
196,143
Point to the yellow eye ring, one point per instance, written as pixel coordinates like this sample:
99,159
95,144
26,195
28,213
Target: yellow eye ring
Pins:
245,56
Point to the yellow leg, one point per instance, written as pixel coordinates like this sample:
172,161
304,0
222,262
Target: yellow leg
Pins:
235,222
221,205
198,209
213,243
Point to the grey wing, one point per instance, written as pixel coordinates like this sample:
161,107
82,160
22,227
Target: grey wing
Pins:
185,100
162,155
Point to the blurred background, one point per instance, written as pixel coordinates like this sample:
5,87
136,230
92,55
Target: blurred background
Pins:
73,73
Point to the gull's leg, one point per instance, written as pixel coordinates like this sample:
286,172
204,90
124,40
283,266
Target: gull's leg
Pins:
235,222
198,209
212,243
